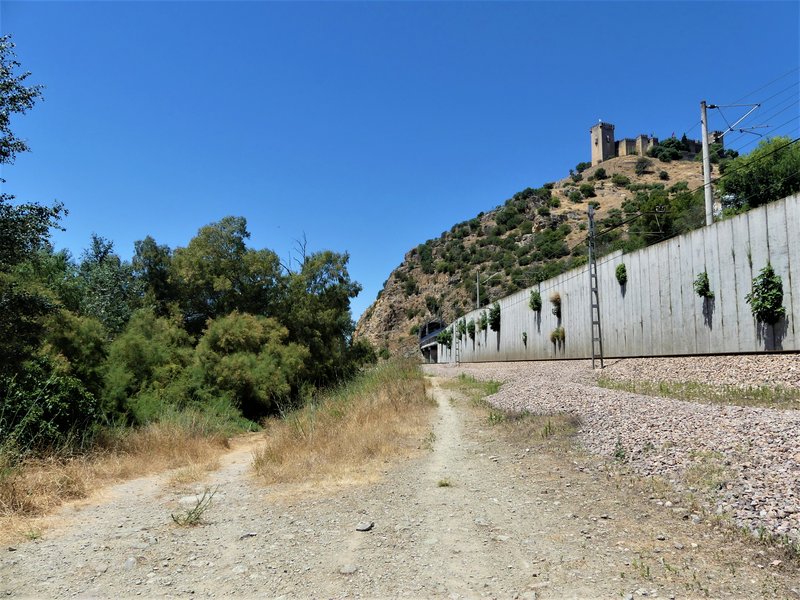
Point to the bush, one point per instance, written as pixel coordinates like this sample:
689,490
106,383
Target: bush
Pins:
622,274
576,177
766,298
483,322
587,190
575,196
471,329
494,317
543,211
582,166
600,174
702,286
246,357
41,410
462,328
642,164
620,180
663,175
445,337
535,303
555,300
410,287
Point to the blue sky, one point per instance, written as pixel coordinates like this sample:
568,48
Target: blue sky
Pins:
367,127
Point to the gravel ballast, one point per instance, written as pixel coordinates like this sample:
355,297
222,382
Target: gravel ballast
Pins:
744,461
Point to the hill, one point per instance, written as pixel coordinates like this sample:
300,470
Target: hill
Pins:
534,235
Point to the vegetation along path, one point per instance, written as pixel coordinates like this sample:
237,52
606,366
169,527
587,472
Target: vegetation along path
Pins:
491,506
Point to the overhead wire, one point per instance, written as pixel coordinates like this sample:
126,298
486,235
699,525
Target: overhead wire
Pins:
774,129
766,85
791,101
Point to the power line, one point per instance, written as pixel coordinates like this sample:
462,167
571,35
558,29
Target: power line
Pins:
774,129
766,85
792,100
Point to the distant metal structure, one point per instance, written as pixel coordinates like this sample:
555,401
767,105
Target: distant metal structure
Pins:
457,341
428,333
718,136
594,296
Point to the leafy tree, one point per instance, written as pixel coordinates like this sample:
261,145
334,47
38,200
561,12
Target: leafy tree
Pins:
149,360
483,321
15,97
768,173
77,346
216,274
667,150
315,309
152,264
248,359
110,292
42,410
471,329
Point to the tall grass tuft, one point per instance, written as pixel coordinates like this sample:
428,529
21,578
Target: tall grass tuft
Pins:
342,433
33,484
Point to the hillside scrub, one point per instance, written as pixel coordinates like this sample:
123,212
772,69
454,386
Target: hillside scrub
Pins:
349,432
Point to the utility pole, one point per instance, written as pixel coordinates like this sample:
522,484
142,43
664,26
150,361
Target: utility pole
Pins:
706,164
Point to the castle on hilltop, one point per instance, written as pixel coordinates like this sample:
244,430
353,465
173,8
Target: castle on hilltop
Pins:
604,146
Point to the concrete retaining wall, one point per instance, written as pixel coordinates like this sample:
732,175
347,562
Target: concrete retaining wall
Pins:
658,311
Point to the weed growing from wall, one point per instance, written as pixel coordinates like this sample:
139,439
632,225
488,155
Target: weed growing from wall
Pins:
555,300
766,298
535,302
622,274
445,337
471,329
702,286
494,317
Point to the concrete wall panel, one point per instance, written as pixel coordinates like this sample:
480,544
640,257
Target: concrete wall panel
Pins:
659,312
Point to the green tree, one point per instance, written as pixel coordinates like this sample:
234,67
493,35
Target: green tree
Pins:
152,264
15,97
110,292
316,312
216,274
248,359
146,367
768,173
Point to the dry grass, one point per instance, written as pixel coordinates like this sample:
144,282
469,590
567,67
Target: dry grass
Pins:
349,433
36,487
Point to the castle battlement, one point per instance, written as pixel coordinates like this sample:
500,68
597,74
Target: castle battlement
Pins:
604,146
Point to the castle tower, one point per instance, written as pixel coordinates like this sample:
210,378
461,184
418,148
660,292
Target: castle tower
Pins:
602,136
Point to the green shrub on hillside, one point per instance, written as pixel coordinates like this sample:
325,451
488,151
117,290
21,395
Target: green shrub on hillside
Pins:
587,190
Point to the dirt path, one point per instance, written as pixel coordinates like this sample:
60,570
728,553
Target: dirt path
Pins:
476,516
